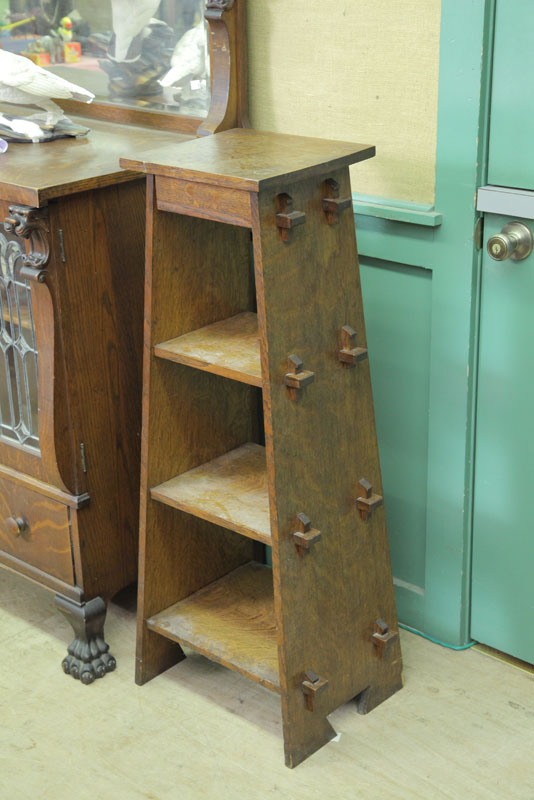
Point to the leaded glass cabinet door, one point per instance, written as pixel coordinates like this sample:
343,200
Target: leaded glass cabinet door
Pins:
19,401
33,400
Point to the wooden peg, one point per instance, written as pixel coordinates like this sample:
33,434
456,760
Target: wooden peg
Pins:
367,502
333,205
296,378
286,218
305,536
382,637
349,355
312,685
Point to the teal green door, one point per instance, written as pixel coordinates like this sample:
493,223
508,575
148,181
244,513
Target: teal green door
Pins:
512,96
502,599
502,613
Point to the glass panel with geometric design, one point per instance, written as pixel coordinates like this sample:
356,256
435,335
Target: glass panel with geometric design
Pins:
18,352
145,54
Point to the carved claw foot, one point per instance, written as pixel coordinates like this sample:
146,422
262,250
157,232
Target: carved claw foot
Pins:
88,655
87,661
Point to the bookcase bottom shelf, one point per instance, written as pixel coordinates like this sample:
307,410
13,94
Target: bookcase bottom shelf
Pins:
230,621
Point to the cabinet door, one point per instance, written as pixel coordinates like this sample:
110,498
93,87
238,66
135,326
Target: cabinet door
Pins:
512,96
18,345
503,543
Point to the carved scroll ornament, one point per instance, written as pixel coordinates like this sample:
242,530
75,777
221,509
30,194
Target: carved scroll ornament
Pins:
216,8
32,224
219,5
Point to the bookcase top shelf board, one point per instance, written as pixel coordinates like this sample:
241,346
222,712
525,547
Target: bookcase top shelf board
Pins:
249,160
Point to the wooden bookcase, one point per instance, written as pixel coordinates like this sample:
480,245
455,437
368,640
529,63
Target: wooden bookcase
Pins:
258,429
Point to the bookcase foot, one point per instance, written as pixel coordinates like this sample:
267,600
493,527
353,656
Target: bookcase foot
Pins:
372,696
304,740
155,656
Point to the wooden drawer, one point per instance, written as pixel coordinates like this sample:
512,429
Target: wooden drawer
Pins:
45,541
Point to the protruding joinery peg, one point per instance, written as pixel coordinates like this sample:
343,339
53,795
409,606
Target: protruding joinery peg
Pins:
349,354
305,536
368,502
333,205
312,685
287,219
296,378
382,637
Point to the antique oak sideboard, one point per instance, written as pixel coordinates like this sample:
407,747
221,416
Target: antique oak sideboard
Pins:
71,283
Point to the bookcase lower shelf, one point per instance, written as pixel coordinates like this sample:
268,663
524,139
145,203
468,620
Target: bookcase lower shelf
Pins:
230,621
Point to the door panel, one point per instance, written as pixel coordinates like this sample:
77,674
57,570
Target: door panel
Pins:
503,535
512,97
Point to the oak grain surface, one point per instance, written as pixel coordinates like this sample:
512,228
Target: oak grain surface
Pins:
230,491
45,543
320,437
35,173
230,348
230,621
246,159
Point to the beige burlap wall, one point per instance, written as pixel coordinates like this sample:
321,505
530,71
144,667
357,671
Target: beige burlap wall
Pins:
356,70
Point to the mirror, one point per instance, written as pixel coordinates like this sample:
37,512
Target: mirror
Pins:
148,55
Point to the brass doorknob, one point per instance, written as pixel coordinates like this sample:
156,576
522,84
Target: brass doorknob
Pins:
514,241
16,525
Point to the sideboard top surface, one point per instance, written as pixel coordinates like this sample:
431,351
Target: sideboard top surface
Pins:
246,159
32,174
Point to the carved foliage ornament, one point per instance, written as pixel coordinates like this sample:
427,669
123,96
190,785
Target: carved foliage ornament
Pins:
32,224
219,5
216,8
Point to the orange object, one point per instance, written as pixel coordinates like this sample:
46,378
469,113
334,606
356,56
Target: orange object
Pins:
41,59
73,52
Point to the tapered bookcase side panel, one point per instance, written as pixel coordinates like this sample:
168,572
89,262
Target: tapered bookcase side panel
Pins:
258,429
318,447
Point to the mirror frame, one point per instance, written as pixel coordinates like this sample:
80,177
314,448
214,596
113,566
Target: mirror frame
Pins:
228,61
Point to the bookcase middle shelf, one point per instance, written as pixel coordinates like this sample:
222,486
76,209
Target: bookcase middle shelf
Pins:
229,348
230,491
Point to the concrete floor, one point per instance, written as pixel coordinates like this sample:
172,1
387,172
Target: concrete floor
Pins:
462,728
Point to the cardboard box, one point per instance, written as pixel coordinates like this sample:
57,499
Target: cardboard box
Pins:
73,52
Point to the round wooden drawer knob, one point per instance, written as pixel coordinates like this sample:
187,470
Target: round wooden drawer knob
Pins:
16,525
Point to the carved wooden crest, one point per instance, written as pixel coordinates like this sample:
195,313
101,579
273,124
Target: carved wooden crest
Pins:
216,8
220,5
32,224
